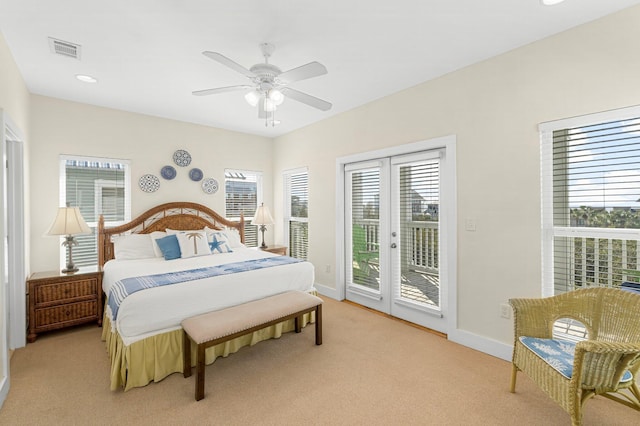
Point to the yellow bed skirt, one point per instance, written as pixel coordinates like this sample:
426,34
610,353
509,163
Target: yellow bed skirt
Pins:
156,357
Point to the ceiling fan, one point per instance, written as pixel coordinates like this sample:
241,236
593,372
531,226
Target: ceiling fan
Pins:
269,84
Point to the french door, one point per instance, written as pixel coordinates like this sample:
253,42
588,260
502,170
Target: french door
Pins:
393,237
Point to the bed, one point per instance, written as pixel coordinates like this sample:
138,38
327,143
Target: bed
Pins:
141,327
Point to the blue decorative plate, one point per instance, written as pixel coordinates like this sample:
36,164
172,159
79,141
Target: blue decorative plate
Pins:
182,158
149,183
210,186
195,175
168,172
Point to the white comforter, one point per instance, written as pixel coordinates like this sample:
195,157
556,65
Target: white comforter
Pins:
161,309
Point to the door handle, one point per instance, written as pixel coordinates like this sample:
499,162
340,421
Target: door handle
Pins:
393,245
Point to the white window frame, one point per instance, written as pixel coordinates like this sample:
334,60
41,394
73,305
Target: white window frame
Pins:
101,184
287,203
126,183
259,195
549,231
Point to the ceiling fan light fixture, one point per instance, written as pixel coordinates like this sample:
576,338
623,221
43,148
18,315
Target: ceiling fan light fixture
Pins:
276,96
269,105
252,98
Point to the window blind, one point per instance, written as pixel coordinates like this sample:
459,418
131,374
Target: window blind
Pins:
96,186
364,185
296,212
243,189
591,201
419,206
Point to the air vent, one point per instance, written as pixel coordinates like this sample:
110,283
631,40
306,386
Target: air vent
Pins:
64,48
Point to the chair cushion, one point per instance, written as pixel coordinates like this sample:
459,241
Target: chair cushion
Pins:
558,354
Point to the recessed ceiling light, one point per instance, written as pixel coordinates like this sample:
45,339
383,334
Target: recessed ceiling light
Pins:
86,78
550,2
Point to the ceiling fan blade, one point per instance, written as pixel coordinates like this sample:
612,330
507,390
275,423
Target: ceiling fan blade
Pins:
306,99
229,63
312,69
220,90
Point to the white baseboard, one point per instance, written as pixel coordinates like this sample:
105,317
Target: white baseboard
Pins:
482,344
328,291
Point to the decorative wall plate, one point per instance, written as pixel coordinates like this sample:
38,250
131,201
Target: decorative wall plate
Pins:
168,172
195,174
210,186
182,158
149,183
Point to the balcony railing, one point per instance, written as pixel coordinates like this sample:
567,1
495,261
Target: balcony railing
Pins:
421,242
423,248
593,261
419,280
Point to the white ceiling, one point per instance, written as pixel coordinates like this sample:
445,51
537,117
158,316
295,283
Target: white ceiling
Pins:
146,54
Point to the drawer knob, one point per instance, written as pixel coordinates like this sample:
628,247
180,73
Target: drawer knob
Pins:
68,312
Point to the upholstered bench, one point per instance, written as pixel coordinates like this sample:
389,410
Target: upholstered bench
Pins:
216,327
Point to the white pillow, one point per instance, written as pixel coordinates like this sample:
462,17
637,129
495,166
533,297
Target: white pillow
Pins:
233,236
132,247
155,235
218,242
193,243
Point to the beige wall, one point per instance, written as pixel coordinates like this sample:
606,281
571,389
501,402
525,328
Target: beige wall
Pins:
493,108
62,127
14,97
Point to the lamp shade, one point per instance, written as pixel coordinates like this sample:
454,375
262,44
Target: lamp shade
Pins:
252,98
69,221
262,216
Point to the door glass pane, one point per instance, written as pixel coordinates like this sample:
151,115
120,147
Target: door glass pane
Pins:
419,196
365,225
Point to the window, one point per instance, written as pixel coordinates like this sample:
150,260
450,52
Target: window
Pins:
590,200
296,199
243,192
96,186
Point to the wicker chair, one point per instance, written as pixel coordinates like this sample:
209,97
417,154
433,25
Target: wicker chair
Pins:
601,364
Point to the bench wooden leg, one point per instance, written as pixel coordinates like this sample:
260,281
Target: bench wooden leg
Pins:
186,355
200,364
298,324
319,325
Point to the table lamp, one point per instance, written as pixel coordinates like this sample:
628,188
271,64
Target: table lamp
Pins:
262,218
69,222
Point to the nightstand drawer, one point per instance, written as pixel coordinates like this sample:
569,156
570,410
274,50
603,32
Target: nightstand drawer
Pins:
58,315
60,292
58,300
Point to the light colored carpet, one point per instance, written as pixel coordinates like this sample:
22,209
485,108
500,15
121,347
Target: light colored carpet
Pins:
369,370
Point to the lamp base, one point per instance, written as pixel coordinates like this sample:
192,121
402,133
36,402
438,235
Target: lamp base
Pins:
69,241
262,229
70,269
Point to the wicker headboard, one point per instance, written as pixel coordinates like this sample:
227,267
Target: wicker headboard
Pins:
178,215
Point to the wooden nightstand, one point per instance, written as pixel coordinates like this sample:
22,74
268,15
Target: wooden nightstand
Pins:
281,250
58,300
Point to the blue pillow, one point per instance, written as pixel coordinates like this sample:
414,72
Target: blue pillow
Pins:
169,247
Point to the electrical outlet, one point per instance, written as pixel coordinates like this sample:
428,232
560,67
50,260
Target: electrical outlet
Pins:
505,311
470,224
327,269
